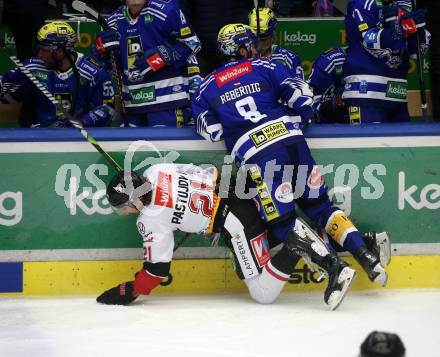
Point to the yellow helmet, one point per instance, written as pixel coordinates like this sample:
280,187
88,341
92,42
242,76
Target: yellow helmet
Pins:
233,36
57,34
268,21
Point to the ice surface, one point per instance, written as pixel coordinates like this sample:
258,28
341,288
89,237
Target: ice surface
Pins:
297,324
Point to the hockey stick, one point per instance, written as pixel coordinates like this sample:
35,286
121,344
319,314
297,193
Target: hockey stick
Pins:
86,9
77,124
257,12
420,62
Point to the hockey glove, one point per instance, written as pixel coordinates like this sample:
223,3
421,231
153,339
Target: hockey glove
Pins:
419,18
7,92
98,116
389,13
194,83
301,99
155,58
123,294
61,122
407,22
106,42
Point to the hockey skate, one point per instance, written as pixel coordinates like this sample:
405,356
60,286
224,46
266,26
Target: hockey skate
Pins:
305,242
380,245
340,277
371,264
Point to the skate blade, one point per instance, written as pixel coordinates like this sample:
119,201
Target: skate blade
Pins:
384,244
382,277
346,279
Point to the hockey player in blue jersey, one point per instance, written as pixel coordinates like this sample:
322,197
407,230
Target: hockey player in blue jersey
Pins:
240,103
153,40
326,81
80,84
266,37
381,36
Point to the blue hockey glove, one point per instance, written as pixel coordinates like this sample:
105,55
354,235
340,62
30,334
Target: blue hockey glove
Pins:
6,89
155,58
302,98
106,42
98,116
302,95
419,17
397,19
60,123
390,13
194,83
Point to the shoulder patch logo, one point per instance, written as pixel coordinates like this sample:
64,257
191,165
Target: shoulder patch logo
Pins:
363,27
148,18
185,31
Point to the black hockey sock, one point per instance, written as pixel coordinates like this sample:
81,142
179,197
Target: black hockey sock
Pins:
285,261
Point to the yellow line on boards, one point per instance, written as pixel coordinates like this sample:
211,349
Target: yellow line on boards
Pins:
204,275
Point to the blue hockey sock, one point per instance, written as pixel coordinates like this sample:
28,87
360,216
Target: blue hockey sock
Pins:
353,242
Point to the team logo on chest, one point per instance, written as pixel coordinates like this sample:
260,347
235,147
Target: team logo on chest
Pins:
134,45
148,18
64,102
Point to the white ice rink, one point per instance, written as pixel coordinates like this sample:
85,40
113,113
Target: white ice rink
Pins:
298,325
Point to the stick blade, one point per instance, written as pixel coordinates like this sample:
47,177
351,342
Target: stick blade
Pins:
79,6
83,8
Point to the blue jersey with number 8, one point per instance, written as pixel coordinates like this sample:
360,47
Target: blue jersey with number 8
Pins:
255,105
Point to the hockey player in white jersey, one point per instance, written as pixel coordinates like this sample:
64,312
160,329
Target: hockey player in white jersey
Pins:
183,197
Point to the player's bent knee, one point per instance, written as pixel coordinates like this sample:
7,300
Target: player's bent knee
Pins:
261,294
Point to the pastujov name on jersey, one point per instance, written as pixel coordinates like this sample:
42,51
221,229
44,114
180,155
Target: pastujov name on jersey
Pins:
269,133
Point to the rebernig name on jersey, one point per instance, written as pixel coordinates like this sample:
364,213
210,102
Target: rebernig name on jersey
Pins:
239,92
